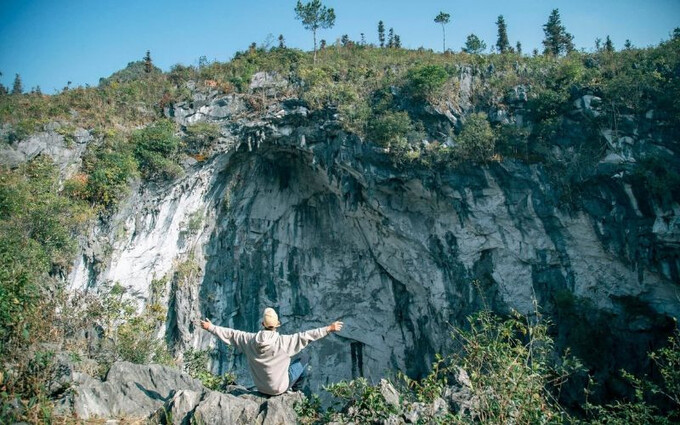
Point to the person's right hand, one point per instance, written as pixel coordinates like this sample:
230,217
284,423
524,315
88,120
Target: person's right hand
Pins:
335,326
205,324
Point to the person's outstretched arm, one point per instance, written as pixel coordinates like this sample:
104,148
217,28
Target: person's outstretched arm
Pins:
239,339
293,344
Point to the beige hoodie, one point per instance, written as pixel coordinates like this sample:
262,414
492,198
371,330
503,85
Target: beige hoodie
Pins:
268,353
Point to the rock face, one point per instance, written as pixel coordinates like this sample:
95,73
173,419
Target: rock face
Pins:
299,215
65,152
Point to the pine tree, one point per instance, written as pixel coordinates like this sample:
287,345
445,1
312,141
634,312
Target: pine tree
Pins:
557,39
148,65
598,44
363,39
17,87
502,44
381,33
3,89
608,45
314,15
518,47
38,91
628,45
474,45
322,44
344,40
397,41
676,34
443,19
282,42
390,38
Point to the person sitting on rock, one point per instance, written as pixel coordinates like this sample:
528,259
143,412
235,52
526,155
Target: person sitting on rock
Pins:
269,353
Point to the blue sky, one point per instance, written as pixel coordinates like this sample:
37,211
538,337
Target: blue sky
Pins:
51,42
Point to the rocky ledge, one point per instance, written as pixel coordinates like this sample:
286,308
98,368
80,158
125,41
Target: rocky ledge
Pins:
164,395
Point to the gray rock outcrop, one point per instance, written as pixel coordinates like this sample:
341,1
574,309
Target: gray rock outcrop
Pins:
129,390
165,395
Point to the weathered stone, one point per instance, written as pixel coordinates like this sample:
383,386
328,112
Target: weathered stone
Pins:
218,408
130,390
390,394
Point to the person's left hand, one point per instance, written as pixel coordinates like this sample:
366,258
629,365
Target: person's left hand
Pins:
206,324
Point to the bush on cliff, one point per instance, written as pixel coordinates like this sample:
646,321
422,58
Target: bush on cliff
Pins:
156,148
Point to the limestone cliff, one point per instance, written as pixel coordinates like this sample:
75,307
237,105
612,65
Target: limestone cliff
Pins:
289,210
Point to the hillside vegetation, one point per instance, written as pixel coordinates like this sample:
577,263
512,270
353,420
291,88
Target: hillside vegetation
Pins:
386,97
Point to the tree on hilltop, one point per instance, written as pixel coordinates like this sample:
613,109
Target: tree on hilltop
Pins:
148,65
443,19
17,87
502,43
381,33
608,45
282,42
474,45
518,48
314,15
557,39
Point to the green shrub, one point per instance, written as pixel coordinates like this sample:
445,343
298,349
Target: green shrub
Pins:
512,369
200,136
390,128
37,229
361,402
196,365
426,81
156,148
108,169
476,140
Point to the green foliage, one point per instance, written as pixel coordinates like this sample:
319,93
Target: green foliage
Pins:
362,402
199,136
187,272
106,173
131,335
474,45
156,148
429,388
196,364
557,39
476,140
37,228
443,19
426,81
502,42
511,368
314,15
389,129
17,86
